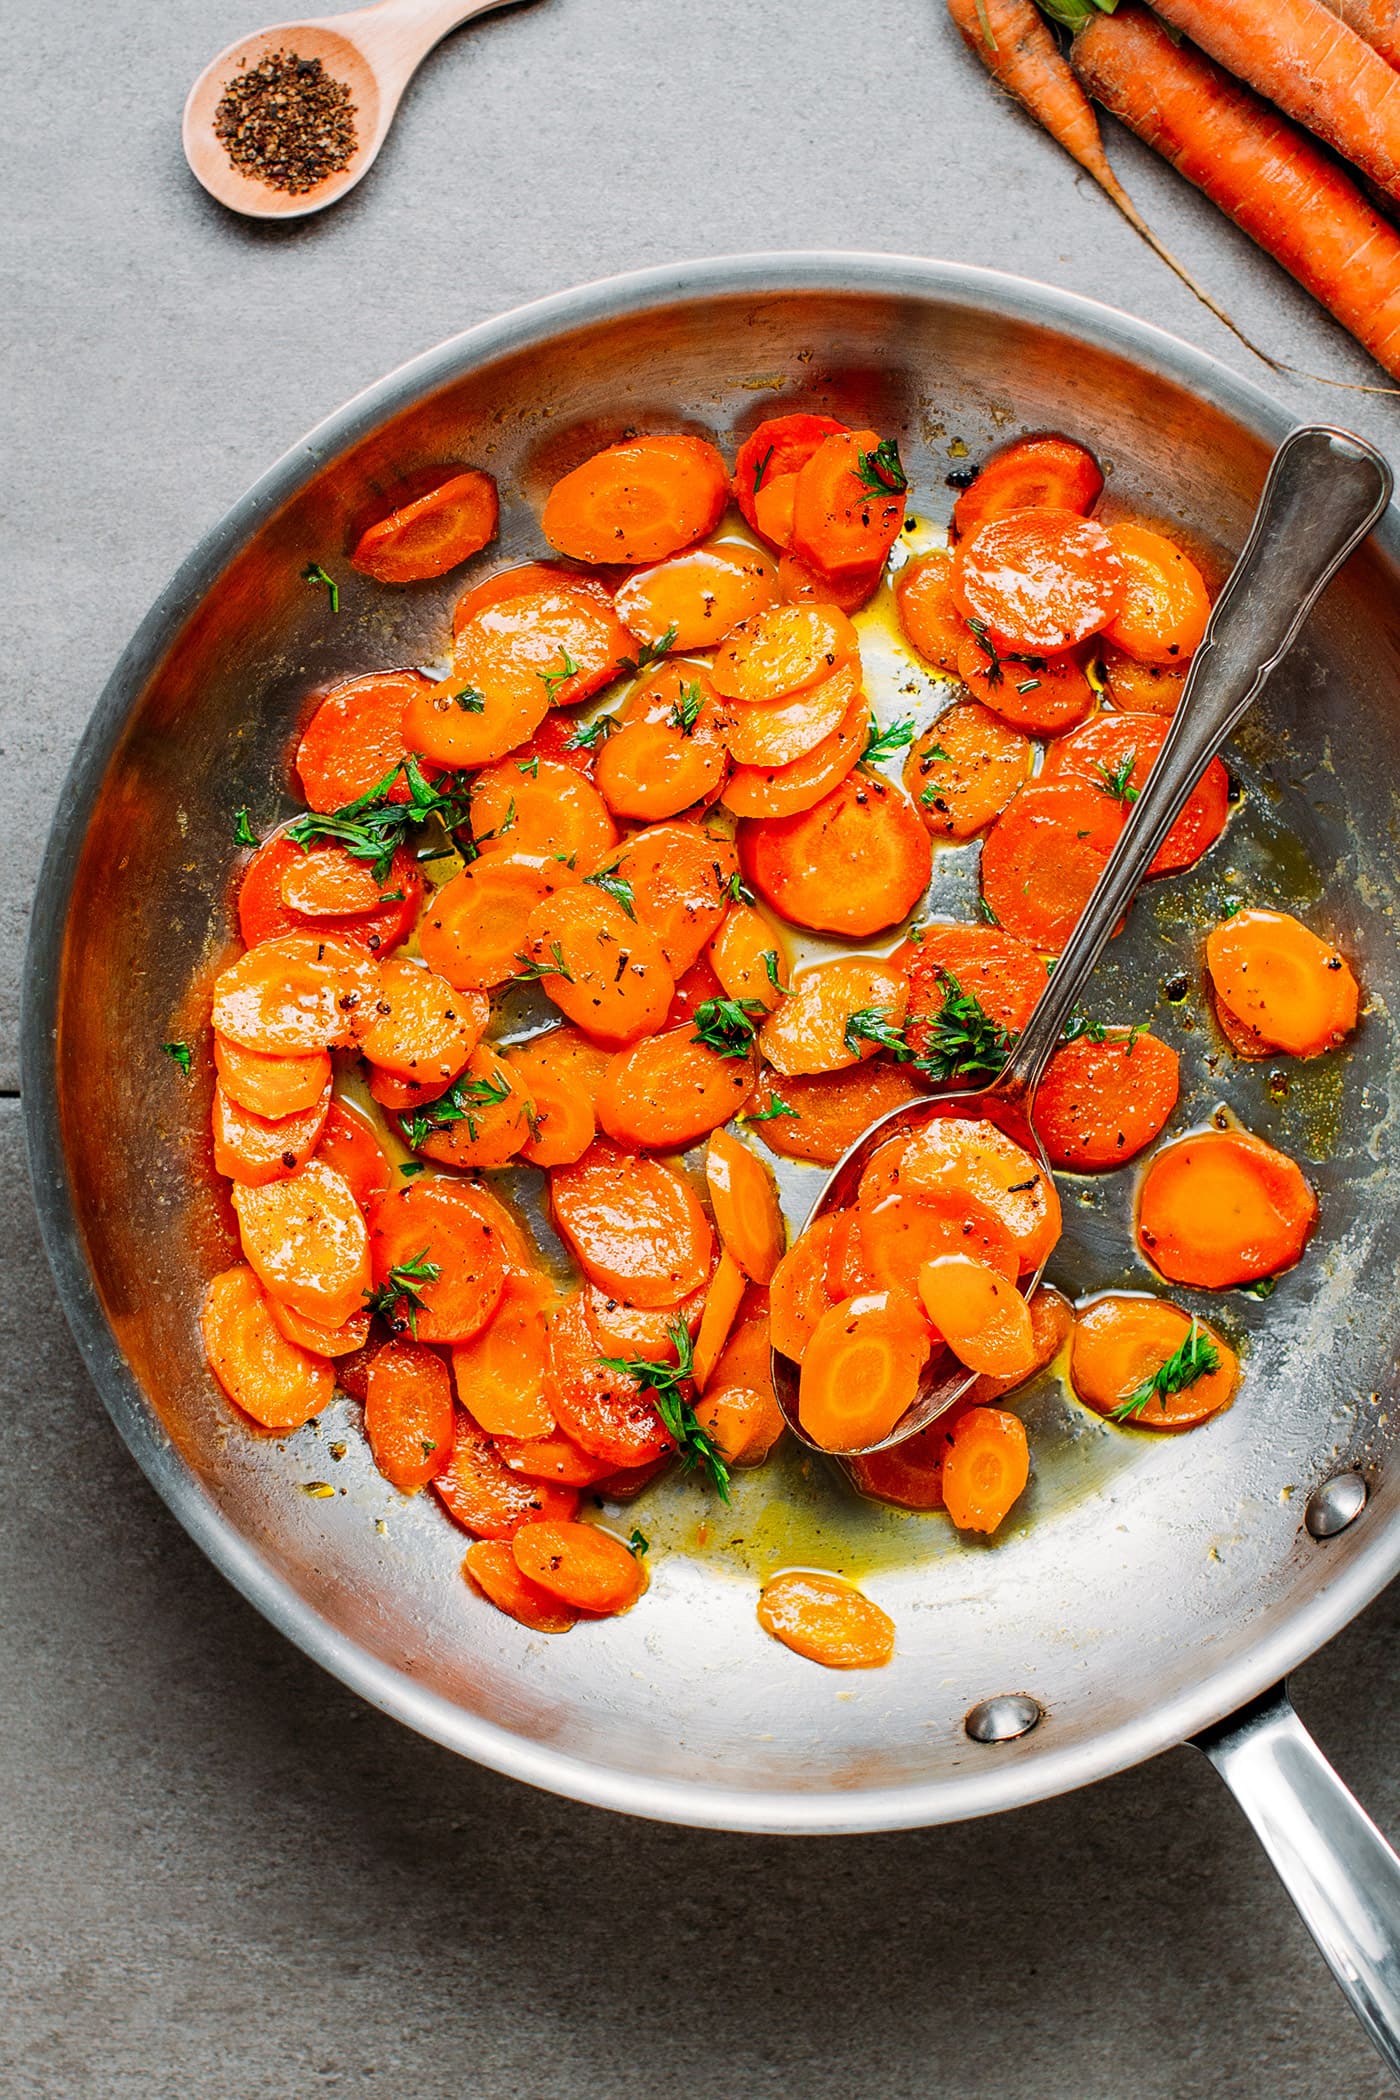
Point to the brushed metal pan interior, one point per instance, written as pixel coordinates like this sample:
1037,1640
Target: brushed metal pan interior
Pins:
1147,1587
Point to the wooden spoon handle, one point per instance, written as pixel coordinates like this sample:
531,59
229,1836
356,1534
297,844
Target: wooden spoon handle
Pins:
397,35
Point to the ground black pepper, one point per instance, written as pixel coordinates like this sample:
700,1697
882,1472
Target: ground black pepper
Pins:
287,122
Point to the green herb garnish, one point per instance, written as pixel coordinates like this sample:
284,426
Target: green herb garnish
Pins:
178,1053
243,832
776,1107
964,1042
528,765
456,1105
667,1384
558,968
615,886
727,1025
470,700
987,913
737,890
1196,1358
400,1287
770,964
639,1543
1262,1287
880,471
552,680
1115,781
649,653
881,744
685,709
372,828
590,733
872,1024
762,468
314,573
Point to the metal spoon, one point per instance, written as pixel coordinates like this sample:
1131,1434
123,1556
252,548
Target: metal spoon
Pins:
375,51
1325,490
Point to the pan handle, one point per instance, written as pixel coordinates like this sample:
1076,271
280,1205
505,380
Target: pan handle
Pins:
1341,1874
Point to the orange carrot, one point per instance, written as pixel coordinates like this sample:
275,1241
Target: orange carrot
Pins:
827,1620
1378,21
1003,973
638,501
981,1316
1291,990
1101,1102
670,1089
258,1149
1115,752
692,600
779,448
270,1086
855,863
1043,856
578,1563
408,1414
987,1466
490,1566
486,1497
746,1206
429,537
634,1226
1038,581
783,791
1223,1208
860,1369
305,1238
1036,473
722,1301
669,751
355,738
821,1116
1280,188
278,1384
543,809
1121,1346
964,770
470,931
784,650
500,1372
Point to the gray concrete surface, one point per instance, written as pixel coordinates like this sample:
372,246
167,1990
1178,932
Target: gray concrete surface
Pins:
221,1878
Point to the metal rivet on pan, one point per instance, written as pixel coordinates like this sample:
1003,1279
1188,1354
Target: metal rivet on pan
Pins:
1337,1503
1002,1719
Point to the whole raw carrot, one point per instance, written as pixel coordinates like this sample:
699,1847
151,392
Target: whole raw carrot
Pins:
1280,188
1378,21
1315,67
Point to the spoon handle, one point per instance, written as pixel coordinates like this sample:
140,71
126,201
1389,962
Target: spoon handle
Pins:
1324,492
397,35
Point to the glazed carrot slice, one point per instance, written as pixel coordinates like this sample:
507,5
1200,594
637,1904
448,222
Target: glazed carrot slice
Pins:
345,1340
1043,856
847,1275
1003,973
484,1496
670,1089
903,1231
799,1294
1223,1208
409,1414
489,1565
543,809
929,620
783,791
512,662
964,770
837,1014
1039,580
294,995
638,501
1294,991
482,1120
979,1313
669,751
1165,602
500,1373
722,1301
257,1149
603,967
910,1474
694,599
985,1469
739,1407
1115,753
326,882
1141,688
522,582
470,931
555,1458
349,1145
749,957
782,651
1100,1103
560,1071
355,738
435,1223
429,537
305,1238
746,1206
420,1027
279,1385
827,1620
1052,1324
270,1086
681,880
1038,473
643,1332
695,989
779,732
633,1225
973,1157
773,504
399,1096
780,446
861,1367
264,914
601,1408
883,1171
855,863
1122,1348
1041,695
584,1566
848,505
801,584
821,1116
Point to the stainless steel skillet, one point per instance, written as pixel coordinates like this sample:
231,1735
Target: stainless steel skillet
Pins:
1154,1587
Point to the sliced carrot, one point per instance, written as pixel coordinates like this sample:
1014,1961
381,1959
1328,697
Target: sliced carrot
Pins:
264,913
781,445
1165,602
560,1071
722,1301
408,1414
279,1385
602,967
782,651
355,739
434,1223
861,1367
1038,473
964,770
746,1206
1152,689
490,1118
783,791
695,988
255,1150
1052,1324
326,882
973,1157
1041,695
305,1238
669,751
1120,1346
903,1231
1100,1103
634,1226
1292,990
420,1027
847,1275
800,584
855,863
470,931
1043,856
555,1458
604,1410
585,1566
294,995
512,662
908,1474
521,582
1223,1208
1115,753
399,1096
694,599
270,1086
835,1015
669,1090
542,809
644,1333
681,881
883,1170
749,957
928,617
980,1314
799,1293
518,1250
489,1565
739,1407
826,1619
484,1496
773,504
779,732
821,1117
985,1469
848,505
500,1373
1039,580
638,501
429,537
345,1340
1003,973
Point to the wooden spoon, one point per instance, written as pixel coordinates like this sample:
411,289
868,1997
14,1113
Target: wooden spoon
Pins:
375,51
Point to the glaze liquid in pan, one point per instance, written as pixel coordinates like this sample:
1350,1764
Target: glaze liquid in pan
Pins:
1143,1585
